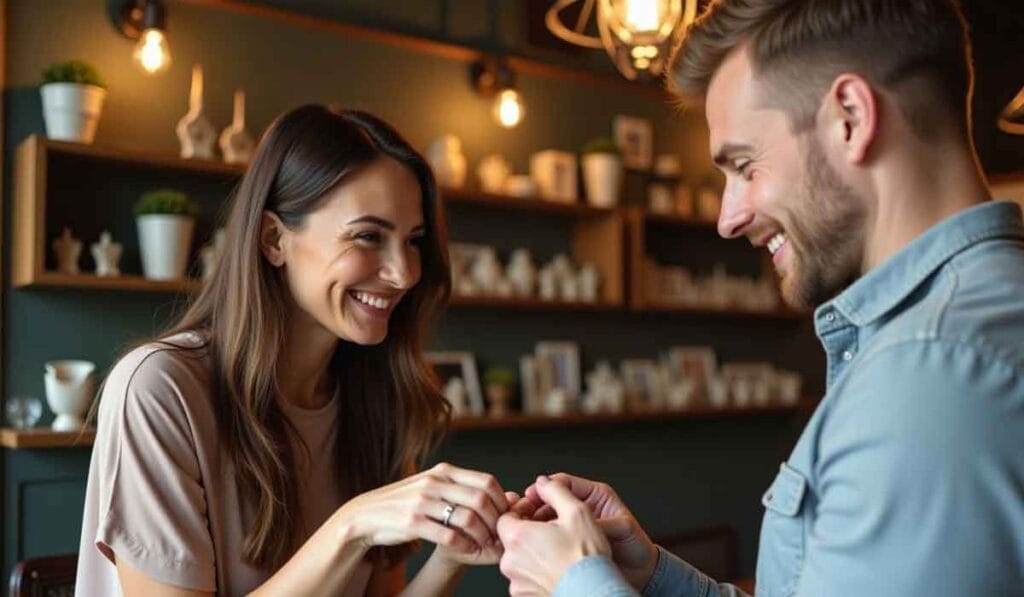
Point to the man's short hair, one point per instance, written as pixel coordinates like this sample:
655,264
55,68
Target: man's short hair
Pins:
916,50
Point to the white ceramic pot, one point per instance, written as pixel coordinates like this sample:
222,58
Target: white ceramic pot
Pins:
164,241
602,176
69,391
72,110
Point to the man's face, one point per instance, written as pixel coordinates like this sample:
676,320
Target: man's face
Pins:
781,191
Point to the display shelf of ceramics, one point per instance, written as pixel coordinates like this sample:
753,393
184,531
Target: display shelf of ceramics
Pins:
528,304
681,221
86,281
531,204
44,437
519,421
780,313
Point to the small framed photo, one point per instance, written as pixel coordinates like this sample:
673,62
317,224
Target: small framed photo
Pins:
635,139
564,358
694,362
640,376
458,380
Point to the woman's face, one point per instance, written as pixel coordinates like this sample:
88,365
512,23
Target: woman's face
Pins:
356,255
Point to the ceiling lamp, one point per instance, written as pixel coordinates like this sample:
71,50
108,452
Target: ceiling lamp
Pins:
638,35
492,77
146,22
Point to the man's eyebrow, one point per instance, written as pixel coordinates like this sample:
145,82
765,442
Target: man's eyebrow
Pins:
727,150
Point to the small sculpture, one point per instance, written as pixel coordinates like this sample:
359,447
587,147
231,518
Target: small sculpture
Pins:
236,143
211,253
556,402
493,171
589,283
448,162
547,283
67,249
455,392
107,254
521,185
605,392
195,133
486,271
522,273
69,391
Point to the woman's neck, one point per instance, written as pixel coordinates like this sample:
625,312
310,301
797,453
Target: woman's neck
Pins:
303,374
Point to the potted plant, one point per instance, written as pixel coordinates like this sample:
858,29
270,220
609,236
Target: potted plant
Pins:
166,219
602,172
498,385
73,94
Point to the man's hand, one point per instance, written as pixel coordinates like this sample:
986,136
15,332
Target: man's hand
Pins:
538,553
632,550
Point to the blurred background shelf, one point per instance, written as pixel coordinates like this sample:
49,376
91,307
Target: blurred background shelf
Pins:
44,437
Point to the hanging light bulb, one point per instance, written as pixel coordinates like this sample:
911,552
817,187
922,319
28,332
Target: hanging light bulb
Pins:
508,108
152,52
146,21
636,34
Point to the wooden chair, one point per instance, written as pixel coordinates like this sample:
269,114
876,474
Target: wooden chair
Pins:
51,576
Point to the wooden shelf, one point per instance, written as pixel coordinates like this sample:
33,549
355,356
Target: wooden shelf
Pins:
732,312
520,421
517,304
152,159
50,279
44,437
532,204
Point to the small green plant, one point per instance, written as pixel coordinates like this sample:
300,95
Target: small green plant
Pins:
499,376
167,202
73,71
601,145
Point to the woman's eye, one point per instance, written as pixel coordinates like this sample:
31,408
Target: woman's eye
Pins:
417,241
368,237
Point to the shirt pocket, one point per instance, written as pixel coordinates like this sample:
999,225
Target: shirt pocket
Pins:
781,552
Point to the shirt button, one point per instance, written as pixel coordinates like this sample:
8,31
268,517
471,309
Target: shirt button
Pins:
847,355
830,317
769,496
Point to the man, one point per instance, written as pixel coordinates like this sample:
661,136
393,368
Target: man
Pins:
843,130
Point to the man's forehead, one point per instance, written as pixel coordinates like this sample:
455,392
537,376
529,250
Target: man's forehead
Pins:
731,97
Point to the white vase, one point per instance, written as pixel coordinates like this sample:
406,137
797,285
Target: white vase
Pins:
72,110
448,162
164,242
69,390
195,132
602,176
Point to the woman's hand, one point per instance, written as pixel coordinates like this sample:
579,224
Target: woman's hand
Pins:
415,508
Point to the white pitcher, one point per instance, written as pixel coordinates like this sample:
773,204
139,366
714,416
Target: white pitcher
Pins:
69,390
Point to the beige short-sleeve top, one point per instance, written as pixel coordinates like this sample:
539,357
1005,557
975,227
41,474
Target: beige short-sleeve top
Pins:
161,492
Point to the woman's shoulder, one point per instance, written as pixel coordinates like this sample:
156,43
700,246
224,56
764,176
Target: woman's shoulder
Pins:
177,366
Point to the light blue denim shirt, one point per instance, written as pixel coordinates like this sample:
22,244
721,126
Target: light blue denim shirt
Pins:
909,477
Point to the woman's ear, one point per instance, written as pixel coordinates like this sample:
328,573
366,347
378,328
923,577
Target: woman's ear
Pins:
272,235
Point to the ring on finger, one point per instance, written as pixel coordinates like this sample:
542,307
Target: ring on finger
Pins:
448,510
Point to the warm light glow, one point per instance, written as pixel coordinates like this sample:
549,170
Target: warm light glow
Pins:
508,108
152,52
642,15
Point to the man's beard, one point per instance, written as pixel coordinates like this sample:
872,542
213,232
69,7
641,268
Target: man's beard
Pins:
826,234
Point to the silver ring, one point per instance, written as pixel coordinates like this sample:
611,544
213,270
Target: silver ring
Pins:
448,514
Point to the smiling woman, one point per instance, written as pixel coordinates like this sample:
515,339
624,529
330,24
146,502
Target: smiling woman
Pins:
265,442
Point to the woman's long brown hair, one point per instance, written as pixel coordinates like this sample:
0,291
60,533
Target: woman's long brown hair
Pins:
390,407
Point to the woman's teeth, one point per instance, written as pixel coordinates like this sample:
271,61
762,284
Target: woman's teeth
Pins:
371,300
776,242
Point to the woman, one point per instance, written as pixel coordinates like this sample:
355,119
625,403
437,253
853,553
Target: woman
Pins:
264,444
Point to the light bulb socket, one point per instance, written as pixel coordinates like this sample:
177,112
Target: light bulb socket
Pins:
132,17
491,75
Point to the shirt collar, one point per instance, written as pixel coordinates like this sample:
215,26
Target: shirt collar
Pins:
880,290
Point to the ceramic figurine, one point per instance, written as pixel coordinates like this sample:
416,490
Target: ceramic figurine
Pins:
486,271
493,171
236,143
67,249
555,175
589,283
709,203
660,199
69,391
522,273
605,392
569,289
547,283
789,385
679,393
520,185
448,162
106,254
718,392
195,133
210,254
455,392
556,402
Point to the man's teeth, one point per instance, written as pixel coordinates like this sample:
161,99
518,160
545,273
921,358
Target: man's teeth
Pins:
776,242
373,301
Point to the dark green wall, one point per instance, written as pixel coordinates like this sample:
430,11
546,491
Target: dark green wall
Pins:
675,475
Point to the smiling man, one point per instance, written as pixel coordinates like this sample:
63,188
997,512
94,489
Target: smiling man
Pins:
843,129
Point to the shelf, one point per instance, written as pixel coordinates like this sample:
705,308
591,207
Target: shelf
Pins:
531,304
535,205
674,220
777,314
138,158
520,421
44,437
50,279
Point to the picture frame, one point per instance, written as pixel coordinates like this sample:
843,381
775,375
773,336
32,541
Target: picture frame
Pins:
641,376
698,363
450,364
634,137
564,359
